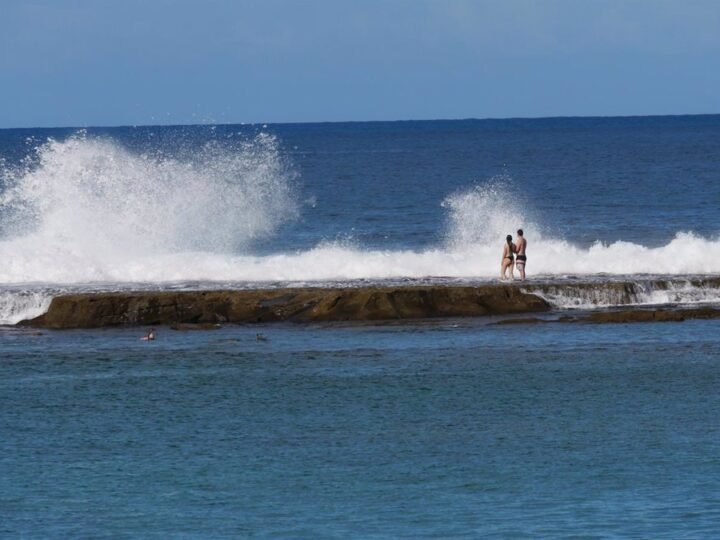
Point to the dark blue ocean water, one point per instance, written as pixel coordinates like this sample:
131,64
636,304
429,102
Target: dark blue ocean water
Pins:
444,429
438,429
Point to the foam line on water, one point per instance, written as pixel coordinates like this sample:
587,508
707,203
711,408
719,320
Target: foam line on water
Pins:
26,260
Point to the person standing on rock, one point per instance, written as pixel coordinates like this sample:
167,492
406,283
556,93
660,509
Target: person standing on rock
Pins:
521,246
507,258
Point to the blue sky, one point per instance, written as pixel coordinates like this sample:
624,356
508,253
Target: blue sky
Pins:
111,62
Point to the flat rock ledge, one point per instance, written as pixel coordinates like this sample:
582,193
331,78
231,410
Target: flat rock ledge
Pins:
623,316
151,308
647,315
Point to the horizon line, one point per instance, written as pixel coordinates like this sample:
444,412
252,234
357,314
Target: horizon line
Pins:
407,120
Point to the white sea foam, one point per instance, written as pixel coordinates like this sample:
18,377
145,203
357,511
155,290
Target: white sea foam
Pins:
90,199
673,291
16,306
485,213
26,261
88,210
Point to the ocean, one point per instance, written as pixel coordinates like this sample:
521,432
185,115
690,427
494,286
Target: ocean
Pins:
277,205
439,428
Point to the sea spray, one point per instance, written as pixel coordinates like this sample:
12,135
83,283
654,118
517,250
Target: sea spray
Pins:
86,208
18,305
485,213
89,192
631,292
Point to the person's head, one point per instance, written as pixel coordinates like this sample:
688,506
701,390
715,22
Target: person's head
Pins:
508,239
520,232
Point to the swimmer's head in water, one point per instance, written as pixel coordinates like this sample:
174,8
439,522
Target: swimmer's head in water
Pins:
520,232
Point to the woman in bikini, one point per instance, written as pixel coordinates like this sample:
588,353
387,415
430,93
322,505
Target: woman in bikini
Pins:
507,258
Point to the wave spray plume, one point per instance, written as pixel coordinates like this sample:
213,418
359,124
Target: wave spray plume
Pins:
90,210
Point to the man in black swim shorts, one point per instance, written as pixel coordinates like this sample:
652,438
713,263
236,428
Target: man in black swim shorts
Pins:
521,259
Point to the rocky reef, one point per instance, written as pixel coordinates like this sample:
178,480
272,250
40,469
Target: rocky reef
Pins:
634,315
94,310
207,309
647,315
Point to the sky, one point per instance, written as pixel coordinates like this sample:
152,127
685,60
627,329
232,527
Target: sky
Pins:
138,62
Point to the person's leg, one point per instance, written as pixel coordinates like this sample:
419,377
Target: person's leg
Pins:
521,269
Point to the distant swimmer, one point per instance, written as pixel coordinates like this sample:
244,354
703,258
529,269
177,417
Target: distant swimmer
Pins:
507,258
150,336
521,246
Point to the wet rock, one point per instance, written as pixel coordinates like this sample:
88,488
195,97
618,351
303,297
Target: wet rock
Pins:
524,320
154,308
193,327
647,315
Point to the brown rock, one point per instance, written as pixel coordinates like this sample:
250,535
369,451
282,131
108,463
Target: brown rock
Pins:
92,310
524,320
182,327
650,315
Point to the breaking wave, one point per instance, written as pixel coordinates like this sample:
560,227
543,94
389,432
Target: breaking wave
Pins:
332,262
91,211
91,199
643,292
88,210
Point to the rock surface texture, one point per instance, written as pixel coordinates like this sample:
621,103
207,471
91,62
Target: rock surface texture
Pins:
94,310
637,315
651,315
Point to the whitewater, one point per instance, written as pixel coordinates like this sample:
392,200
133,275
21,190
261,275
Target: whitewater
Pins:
87,213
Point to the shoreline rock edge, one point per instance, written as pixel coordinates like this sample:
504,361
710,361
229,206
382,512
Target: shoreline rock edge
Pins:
96,310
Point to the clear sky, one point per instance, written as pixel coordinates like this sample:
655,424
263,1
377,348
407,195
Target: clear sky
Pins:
120,62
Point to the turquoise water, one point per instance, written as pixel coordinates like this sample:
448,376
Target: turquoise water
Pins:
439,429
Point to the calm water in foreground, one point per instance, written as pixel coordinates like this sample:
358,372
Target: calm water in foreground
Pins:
440,429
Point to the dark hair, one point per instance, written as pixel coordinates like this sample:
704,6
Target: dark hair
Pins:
520,233
508,238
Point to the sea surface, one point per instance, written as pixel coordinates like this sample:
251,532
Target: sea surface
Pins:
351,203
442,428
447,429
